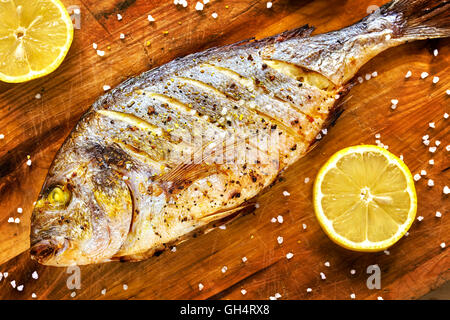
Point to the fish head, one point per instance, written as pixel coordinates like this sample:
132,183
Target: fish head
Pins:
83,213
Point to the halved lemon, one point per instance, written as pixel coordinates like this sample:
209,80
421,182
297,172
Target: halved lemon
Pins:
35,36
364,198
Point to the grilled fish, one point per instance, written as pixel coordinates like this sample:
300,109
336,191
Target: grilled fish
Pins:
168,152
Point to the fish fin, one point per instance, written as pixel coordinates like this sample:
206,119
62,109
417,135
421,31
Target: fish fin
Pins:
419,19
215,216
302,32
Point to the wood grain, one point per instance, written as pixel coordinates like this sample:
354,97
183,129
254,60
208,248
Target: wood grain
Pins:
415,265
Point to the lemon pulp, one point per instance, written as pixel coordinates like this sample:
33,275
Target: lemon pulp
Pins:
364,198
35,36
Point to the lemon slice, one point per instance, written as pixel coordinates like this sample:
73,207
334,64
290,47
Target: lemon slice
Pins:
364,198
35,36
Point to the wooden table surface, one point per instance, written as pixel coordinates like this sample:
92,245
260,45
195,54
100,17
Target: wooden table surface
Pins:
37,127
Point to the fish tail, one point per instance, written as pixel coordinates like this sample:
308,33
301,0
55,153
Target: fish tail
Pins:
419,19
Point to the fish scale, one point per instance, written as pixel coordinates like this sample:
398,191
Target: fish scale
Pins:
169,153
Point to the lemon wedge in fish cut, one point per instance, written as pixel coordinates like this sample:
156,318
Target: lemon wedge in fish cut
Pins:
35,36
364,198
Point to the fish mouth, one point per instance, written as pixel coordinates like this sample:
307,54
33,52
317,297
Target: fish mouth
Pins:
46,249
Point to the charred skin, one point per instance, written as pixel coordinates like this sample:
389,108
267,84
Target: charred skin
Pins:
132,179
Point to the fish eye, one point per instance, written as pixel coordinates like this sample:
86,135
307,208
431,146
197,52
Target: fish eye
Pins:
59,196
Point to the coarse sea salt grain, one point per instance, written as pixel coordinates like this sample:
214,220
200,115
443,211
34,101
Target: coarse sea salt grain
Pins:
28,162
446,115
20,288
269,5
199,6
380,298
446,190
435,79
442,245
419,218
408,74
150,18
426,142
73,294
19,210
289,255
368,76
431,162
437,143
273,220
35,275
106,87
423,75
387,252
214,15
353,271
435,52
2,136
100,53
286,194
323,276
280,219
224,269
103,292
13,283
352,296
33,295
244,259
95,46
306,180
432,125
394,101
327,264
119,16
38,96
438,214
432,149
423,173
200,286
223,227
430,182
243,291
308,290
417,177
16,220
10,220
122,36
125,287
280,240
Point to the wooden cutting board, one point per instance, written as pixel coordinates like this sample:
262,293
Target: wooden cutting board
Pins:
37,127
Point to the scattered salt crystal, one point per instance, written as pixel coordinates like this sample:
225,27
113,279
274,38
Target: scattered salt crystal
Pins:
447,147
150,18
419,218
442,245
423,75
174,249
447,92
277,295
325,131
368,76
446,115
223,227
446,190
243,291
269,5
257,205
199,6
13,283
119,16
435,79
406,233
20,288
394,106
272,298
125,287
394,101
95,46
101,53
11,220
5,274
2,136
374,74
432,125
352,296
273,220
106,87
432,149
280,240
77,11
353,271
304,226
214,15
103,292
309,290
387,252
244,259
33,295
28,162
426,142
289,255
306,180
322,276
35,275
431,162
337,96
417,177
327,264
438,214
280,219
286,194
200,286
224,269
425,137
360,79
401,157
423,173
377,136
205,1
430,182
408,74
437,143
16,220
125,178
73,294
38,96
122,36
19,210
380,298
435,52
